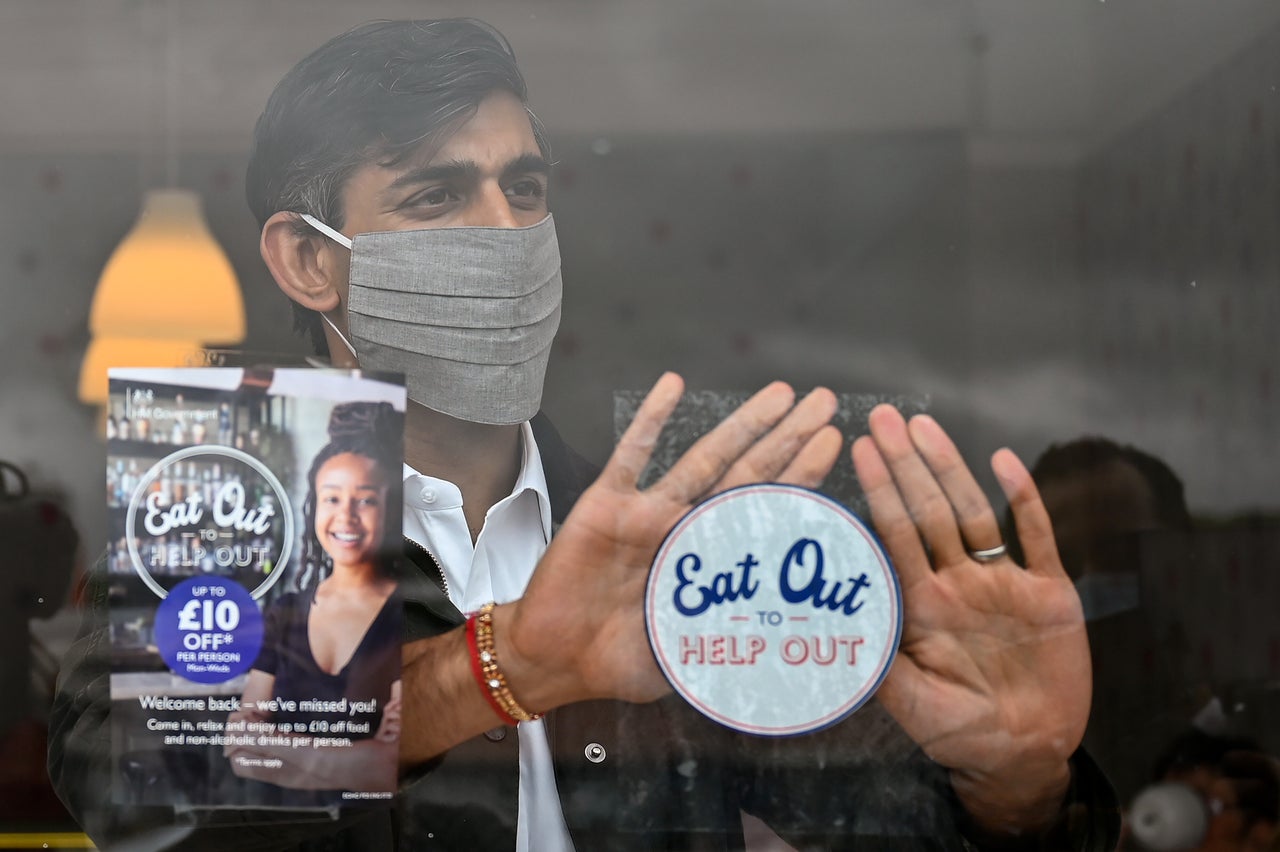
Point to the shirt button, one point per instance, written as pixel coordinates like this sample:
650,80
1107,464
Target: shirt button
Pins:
496,735
428,495
594,752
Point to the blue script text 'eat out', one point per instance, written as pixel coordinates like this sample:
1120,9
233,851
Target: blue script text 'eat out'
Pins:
804,560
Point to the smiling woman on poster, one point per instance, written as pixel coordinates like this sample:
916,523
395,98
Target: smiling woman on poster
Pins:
323,697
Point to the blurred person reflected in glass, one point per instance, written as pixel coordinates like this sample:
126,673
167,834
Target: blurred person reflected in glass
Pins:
1115,510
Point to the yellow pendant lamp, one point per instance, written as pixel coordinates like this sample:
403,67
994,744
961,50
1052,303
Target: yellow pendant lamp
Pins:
167,289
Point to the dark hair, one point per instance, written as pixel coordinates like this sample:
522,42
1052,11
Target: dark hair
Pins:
375,93
1085,455
370,429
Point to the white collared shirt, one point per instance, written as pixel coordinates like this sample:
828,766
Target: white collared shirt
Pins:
497,567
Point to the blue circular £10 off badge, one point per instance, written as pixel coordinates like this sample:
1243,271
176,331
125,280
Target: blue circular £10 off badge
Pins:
773,610
209,629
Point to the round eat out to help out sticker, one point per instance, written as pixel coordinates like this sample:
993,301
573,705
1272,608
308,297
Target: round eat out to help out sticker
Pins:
773,610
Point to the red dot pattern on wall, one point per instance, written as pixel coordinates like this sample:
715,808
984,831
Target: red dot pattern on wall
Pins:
50,179
50,344
222,180
659,231
624,313
48,513
568,344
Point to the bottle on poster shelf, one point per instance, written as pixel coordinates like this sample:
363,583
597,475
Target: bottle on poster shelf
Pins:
216,483
197,433
166,487
124,429
178,433
128,482
224,423
114,472
141,428
111,427
123,565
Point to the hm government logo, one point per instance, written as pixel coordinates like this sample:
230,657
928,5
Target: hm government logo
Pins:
773,610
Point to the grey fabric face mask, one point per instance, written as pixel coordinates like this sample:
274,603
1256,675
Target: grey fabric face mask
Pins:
467,314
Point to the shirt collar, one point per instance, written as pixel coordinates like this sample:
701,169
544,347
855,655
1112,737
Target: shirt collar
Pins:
430,493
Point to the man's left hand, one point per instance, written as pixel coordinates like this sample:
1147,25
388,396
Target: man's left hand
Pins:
992,677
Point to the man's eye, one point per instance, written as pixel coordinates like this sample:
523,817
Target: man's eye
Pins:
525,189
434,197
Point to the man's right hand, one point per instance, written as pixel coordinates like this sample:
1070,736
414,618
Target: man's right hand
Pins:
578,633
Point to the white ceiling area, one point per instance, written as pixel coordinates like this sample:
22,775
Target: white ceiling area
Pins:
1039,79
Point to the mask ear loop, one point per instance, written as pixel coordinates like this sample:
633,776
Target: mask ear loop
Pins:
336,236
341,240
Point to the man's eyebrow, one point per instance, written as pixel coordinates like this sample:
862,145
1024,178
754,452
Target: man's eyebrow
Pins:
527,164
451,170
469,170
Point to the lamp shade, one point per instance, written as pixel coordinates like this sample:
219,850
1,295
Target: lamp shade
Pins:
169,278
167,288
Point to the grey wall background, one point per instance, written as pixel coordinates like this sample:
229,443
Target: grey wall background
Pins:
912,197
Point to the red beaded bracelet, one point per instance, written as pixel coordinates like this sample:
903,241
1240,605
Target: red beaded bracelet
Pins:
484,665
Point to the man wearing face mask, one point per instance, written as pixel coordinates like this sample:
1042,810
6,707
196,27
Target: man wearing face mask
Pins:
401,184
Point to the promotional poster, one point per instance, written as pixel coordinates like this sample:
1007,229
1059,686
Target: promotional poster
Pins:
254,522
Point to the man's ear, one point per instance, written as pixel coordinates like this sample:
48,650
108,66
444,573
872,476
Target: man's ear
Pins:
303,265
